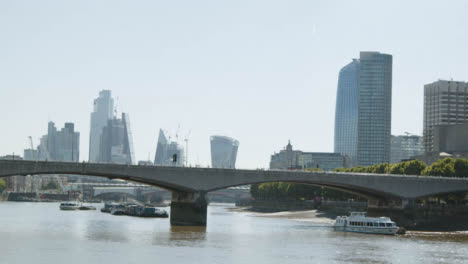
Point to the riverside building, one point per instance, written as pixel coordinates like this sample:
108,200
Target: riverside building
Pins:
445,104
405,147
289,159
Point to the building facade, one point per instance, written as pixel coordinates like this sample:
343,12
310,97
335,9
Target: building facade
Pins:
168,153
116,143
102,113
374,108
445,103
57,145
296,159
223,152
452,139
346,112
405,147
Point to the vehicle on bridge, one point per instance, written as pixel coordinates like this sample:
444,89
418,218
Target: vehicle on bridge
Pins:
358,222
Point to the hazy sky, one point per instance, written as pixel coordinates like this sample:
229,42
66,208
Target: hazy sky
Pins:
262,71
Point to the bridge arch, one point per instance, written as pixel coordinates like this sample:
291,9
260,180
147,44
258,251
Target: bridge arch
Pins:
183,179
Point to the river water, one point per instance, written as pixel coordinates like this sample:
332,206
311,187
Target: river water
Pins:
40,233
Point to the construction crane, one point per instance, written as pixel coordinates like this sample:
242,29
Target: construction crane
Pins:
186,139
32,148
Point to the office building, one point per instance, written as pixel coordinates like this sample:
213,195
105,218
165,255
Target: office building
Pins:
346,112
102,113
405,147
445,103
289,159
116,142
223,152
374,108
168,153
57,145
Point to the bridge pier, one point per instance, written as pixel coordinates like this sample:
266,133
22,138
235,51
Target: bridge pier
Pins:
188,209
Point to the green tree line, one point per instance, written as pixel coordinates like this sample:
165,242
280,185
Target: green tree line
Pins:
2,185
448,167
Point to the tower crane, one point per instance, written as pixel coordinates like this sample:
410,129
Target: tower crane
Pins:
32,148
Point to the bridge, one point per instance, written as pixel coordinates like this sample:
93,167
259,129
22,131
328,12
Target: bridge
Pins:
190,185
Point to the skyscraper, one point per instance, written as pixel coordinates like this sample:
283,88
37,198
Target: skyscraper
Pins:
346,113
102,113
168,153
445,103
116,143
375,106
57,145
223,152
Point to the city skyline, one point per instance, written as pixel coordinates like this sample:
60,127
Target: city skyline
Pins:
241,79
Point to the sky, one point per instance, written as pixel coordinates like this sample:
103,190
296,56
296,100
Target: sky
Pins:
260,71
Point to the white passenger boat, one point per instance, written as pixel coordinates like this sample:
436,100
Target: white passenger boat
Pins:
69,206
360,223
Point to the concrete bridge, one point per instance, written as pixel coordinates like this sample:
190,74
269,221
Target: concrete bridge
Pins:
190,185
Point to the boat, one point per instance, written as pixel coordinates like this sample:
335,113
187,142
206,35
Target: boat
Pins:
108,207
87,207
153,212
68,206
118,210
360,223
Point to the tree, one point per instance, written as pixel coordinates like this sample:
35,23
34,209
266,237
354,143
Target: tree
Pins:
254,190
2,185
52,185
397,168
414,167
461,168
443,167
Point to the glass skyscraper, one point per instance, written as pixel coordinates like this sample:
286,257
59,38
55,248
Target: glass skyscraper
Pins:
168,153
346,112
375,106
223,152
116,143
102,113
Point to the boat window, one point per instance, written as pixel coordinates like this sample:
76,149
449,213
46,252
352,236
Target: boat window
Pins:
382,224
369,224
389,224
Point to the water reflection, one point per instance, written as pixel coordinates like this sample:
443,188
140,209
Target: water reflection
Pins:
37,233
106,231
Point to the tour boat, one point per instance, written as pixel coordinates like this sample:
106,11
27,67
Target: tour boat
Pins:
69,206
360,223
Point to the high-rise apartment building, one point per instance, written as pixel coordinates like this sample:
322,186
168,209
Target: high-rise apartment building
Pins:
346,113
116,143
445,103
168,153
374,108
102,113
405,147
223,152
